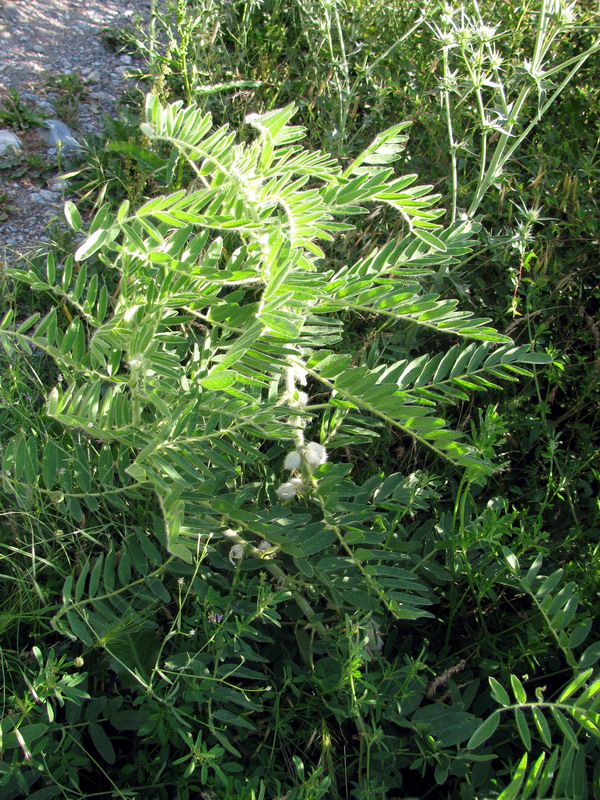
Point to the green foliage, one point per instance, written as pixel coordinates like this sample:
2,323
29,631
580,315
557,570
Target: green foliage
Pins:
17,113
573,716
185,406
185,383
117,164
67,90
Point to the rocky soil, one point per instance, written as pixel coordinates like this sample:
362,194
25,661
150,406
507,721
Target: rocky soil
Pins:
55,55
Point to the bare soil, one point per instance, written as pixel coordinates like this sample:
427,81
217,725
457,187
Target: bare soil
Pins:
42,43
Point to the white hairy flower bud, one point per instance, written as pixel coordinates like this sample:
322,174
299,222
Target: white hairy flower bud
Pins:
315,454
292,460
264,546
302,400
286,491
289,489
236,554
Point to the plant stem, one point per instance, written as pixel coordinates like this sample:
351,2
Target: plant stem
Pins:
451,142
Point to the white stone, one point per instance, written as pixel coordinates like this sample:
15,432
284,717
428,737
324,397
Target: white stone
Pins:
56,131
48,196
9,141
58,186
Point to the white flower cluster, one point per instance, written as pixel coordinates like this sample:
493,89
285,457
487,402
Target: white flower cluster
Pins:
289,489
237,553
313,454
292,461
302,400
294,397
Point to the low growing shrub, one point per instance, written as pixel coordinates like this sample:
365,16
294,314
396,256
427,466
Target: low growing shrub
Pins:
256,627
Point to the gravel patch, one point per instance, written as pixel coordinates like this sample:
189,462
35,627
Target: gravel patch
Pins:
59,37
